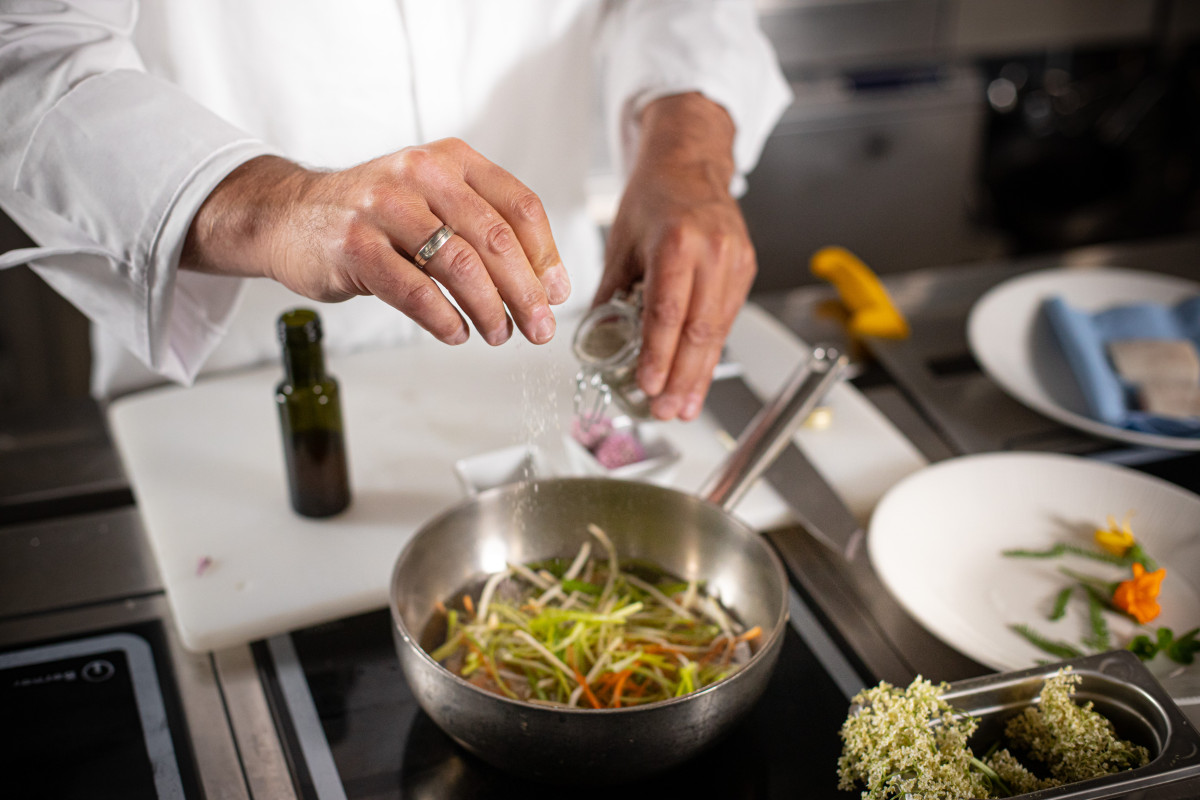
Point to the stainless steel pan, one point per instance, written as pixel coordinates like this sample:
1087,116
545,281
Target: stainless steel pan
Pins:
693,537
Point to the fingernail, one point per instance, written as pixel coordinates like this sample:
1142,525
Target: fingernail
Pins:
651,380
557,284
692,406
460,337
665,406
500,335
543,329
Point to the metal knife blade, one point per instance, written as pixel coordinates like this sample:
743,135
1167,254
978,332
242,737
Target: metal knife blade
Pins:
817,505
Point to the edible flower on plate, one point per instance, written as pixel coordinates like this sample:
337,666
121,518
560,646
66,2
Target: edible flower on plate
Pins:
1138,596
1115,539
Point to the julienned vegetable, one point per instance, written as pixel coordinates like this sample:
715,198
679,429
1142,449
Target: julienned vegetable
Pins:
592,633
911,742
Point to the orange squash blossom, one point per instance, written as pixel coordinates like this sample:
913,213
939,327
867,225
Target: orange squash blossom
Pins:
1138,596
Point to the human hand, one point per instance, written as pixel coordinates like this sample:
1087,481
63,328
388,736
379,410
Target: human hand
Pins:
333,235
680,230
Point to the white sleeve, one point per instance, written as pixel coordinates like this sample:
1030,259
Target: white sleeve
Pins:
653,48
104,166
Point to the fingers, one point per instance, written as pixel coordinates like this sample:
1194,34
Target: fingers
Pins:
523,210
331,235
692,295
389,276
502,259
487,266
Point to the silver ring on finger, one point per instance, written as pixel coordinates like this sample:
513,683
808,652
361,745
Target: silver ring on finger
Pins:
430,248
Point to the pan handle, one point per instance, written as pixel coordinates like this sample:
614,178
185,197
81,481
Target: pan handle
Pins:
771,429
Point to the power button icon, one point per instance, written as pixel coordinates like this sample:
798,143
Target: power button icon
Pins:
97,671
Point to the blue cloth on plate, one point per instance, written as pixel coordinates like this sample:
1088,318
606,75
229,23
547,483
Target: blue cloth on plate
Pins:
1084,339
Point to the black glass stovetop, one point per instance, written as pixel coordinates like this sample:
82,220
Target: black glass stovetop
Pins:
352,728
95,716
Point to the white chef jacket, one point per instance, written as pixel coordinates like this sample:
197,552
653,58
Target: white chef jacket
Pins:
119,120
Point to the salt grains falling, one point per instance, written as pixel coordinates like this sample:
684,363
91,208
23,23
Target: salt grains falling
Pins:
542,382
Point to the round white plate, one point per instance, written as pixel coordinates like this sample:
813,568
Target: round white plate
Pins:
1015,346
936,540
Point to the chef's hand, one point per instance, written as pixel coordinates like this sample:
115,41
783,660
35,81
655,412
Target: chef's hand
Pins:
332,235
680,230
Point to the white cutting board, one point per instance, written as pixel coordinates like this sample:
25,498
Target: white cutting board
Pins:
206,466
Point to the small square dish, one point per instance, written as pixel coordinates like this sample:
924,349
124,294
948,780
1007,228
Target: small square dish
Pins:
634,451
507,465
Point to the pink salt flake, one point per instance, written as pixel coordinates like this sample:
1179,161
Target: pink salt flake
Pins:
591,432
619,450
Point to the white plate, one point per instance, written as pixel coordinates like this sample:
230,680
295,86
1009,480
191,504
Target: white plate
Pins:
936,540
1014,345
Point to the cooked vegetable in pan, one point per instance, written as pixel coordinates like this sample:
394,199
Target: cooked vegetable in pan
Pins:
592,632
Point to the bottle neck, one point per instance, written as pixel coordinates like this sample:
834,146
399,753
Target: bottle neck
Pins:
304,363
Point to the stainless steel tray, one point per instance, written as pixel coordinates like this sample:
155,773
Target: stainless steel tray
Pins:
1122,689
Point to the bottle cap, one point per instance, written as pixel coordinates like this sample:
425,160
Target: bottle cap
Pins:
299,326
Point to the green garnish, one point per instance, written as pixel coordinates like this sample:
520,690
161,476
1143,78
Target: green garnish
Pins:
1062,549
1060,603
1055,648
1091,582
1181,649
1099,640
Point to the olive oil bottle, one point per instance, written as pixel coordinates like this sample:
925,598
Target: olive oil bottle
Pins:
310,415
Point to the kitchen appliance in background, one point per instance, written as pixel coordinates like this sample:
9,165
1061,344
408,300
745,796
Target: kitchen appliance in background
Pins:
1090,146
929,132
882,162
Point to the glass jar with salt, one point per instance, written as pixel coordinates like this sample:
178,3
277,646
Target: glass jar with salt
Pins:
607,344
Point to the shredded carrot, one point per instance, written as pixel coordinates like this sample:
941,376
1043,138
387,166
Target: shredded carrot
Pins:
622,677
587,690
489,666
469,604
719,646
1138,596
751,634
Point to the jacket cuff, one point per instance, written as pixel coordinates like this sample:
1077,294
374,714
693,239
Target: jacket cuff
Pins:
135,202
716,49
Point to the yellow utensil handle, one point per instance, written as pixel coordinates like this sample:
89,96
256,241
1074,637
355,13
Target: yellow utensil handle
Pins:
871,310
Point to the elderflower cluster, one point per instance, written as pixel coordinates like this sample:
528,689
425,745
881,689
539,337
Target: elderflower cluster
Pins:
1073,742
910,743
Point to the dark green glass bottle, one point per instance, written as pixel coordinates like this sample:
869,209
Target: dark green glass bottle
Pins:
310,414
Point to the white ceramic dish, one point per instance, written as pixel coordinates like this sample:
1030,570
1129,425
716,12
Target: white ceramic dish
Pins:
657,467
1014,344
936,541
507,465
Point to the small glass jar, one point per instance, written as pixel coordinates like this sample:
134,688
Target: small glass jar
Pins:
607,344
